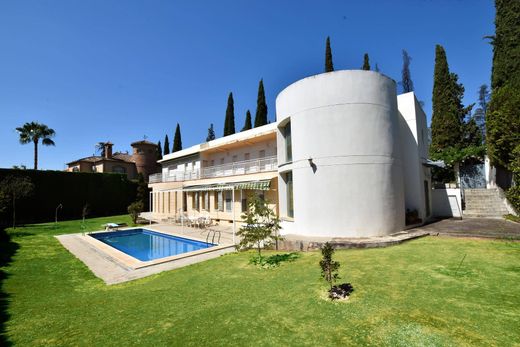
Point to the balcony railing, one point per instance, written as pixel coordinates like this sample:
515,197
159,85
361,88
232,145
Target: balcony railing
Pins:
231,169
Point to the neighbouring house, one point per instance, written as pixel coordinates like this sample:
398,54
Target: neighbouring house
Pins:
346,157
142,160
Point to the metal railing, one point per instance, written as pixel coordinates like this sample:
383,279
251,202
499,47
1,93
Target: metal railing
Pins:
231,169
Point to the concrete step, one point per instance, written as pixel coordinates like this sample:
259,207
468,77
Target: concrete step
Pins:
483,203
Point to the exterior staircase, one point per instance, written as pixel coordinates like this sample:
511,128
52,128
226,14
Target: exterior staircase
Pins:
484,203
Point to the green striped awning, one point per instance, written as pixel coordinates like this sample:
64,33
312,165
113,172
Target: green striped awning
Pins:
251,185
254,185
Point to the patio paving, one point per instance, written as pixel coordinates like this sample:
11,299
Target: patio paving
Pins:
494,228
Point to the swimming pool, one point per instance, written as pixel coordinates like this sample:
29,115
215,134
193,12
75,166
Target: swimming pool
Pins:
147,245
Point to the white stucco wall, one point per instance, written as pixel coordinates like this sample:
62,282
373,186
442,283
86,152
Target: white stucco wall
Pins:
414,147
447,202
347,123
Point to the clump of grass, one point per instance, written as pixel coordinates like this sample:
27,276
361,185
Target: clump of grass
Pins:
512,218
274,260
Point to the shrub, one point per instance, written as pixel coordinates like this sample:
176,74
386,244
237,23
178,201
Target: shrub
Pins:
329,267
135,209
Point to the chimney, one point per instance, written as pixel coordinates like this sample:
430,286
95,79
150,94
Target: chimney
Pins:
108,150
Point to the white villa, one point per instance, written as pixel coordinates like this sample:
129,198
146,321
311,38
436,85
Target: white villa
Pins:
346,157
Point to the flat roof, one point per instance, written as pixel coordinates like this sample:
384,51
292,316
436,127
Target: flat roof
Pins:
223,141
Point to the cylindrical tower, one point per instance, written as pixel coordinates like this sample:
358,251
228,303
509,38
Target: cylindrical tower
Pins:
340,171
145,157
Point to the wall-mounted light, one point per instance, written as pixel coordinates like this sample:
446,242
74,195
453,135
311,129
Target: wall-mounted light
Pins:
310,162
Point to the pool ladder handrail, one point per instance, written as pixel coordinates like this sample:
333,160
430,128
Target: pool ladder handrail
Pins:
214,234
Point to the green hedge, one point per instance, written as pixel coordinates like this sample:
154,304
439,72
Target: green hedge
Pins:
106,194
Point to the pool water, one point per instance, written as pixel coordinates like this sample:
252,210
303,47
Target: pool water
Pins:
147,245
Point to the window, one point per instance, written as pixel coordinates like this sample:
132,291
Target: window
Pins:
119,169
244,204
196,201
288,142
221,161
261,156
94,168
228,201
289,194
185,201
220,204
212,162
205,201
75,169
235,158
246,156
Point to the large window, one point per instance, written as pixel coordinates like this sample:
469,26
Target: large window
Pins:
228,200
220,202
205,201
196,201
288,144
289,194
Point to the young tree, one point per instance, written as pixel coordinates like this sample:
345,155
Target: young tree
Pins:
14,188
261,106
34,132
159,150
134,209
366,63
406,76
177,140
166,145
329,267
229,123
328,57
260,225
211,133
247,123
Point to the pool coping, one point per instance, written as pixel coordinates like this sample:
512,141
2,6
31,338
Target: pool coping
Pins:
134,263
114,266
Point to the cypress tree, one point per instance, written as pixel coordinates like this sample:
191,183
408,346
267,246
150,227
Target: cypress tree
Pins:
366,64
328,57
229,122
503,113
261,106
166,145
177,141
406,76
446,124
247,124
211,133
159,151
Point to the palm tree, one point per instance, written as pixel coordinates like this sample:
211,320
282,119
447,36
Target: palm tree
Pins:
33,132
100,147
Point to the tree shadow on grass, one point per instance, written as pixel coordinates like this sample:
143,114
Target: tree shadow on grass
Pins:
7,249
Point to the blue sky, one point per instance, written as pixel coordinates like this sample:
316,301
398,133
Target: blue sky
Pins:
102,70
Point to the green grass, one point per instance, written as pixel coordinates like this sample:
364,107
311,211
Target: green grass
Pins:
414,294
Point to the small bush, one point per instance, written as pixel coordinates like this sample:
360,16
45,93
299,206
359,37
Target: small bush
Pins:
273,260
513,196
135,209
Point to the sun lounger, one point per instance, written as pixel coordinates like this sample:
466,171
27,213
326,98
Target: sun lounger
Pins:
114,226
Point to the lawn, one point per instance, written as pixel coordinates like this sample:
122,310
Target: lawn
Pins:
412,294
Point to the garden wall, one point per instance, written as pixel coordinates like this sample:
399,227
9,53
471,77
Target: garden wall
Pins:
447,202
105,193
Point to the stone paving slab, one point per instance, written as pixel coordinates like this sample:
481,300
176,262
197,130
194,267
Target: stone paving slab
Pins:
294,242
494,228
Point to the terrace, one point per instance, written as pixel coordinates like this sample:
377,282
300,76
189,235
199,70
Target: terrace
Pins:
230,169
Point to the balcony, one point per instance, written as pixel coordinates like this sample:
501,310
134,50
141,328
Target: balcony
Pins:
231,169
